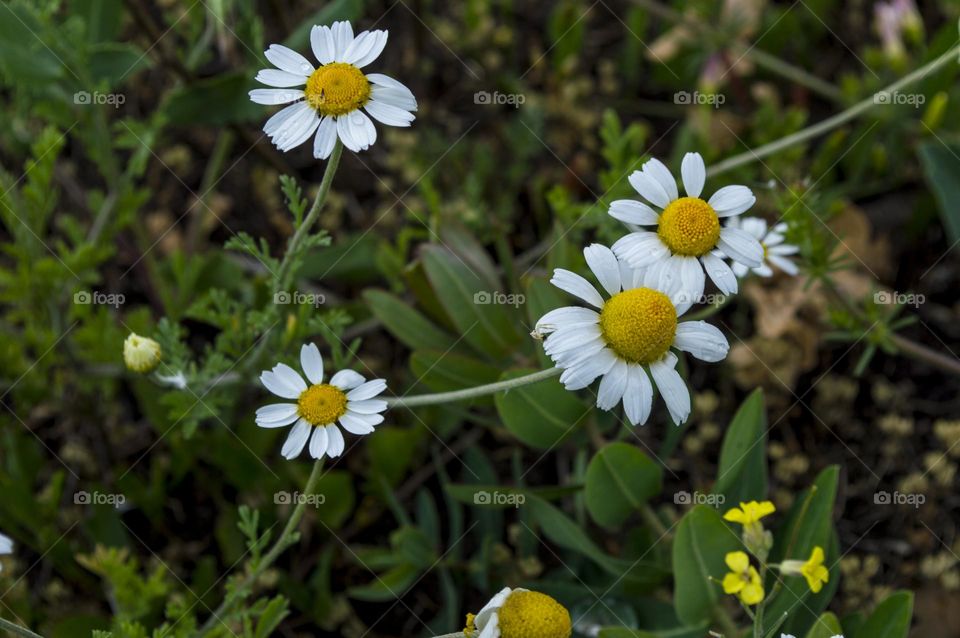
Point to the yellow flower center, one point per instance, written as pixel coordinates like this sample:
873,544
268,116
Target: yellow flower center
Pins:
689,226
530,614
639,324
322,404
337,88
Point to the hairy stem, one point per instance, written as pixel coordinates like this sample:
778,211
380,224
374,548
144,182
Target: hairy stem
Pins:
835,121
469,393
284,541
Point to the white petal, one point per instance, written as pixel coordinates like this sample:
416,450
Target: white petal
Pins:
361,128
649,188
702,340
276,415
342,39
367,390
692,279
366,48
279,119
288,60
318,442
740,246
764,270
573,357
732,200
605,266
321,41
638,397
631,211
370,406
783,249
346,379
281,79
312,362
739,269
495,603
566,317
582,375
325,138
672,388
335,445
612,386
345,131
400,98
296,440
658,171
720,273
282,384
577,286
755,226
297,130
389,114
6,544
694,174
640,249
570,339
271,97
783,264
353,425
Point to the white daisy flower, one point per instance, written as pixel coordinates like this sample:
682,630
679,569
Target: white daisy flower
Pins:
774,250
520,613
333,93
629,338
688,233
348,399
6,546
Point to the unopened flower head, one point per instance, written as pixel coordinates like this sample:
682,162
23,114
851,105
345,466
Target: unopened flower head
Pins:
688,238
813,569
332,94
743,580
141,354
520,613
347,399
775,251
630,339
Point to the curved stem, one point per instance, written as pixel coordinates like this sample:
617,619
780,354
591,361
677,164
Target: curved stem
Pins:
469,393
18,630
298,237
284,541
833,122
304,229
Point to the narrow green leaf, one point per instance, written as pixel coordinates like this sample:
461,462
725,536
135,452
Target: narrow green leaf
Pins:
702,542
941,166
742,469
407,324
891,618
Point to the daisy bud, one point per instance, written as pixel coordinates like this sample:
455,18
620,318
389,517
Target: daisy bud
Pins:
141,354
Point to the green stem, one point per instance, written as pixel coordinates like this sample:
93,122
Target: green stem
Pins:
469,393
17,629
833,122
304,229
456,634
284,541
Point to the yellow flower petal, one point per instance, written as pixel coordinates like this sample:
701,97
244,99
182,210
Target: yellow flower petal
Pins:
732,583
737,561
